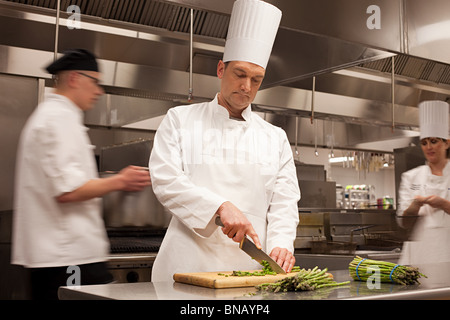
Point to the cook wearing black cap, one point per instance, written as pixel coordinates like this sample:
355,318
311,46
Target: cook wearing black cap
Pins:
57,211
77,77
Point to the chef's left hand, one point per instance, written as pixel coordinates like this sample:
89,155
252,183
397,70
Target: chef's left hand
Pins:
283,257
438,203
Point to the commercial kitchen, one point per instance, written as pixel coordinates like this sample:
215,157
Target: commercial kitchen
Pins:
344,81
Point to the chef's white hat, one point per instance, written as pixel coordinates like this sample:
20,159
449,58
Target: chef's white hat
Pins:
433,117
251,32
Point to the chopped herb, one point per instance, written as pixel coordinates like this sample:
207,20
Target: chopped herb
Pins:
265,271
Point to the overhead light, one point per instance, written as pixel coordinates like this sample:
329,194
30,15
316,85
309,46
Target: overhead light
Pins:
340,159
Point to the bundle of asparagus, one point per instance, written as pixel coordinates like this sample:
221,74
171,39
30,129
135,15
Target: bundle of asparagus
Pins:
303,280
388,271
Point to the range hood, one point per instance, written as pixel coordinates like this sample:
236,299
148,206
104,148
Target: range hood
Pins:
329,67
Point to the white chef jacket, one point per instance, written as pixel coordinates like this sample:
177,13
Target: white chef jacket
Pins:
202,158
55,156
431,235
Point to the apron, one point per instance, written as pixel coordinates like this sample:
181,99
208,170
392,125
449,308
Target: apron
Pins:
430,240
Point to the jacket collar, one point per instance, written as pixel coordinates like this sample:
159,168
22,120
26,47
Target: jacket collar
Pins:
445,171
219,109
67,104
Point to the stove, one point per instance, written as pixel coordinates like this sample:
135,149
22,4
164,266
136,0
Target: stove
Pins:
133,251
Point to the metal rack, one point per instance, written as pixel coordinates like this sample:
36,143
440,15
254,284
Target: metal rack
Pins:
338,232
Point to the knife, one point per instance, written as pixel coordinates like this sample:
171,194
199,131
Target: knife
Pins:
250,248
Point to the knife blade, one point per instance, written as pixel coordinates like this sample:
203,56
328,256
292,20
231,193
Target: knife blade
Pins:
250,248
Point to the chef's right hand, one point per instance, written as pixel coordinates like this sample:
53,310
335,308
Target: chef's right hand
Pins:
419,201
135,178
235,224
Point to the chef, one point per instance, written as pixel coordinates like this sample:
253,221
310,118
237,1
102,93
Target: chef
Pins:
57,221
425,191
221,159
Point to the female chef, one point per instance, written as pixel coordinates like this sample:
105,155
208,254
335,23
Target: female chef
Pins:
220,159
425,190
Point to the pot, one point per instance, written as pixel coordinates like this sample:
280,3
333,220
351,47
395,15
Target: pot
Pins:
133,209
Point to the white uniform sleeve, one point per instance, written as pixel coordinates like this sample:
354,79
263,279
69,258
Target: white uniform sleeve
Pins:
283,217
59,147
405,196
194,206
411,185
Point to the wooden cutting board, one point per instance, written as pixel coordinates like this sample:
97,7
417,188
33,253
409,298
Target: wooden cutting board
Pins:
218,279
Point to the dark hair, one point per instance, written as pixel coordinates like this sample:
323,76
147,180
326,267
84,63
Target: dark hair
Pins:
448,149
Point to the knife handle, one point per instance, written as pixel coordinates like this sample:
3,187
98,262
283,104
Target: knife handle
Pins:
219,222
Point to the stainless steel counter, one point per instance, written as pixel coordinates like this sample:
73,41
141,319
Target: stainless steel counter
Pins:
436,286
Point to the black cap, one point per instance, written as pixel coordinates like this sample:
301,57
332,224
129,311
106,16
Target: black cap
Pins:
76,59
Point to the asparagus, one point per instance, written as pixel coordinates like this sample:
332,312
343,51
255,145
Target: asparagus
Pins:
267,269
388,271
303,280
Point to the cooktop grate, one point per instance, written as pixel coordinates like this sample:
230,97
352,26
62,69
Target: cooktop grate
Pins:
134,244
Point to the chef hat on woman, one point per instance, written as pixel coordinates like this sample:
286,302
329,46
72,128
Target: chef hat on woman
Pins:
433,117
251,32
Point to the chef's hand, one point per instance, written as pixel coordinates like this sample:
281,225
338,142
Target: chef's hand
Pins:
235,224
283,257
134,178
415,206
437,203
131,178
419,201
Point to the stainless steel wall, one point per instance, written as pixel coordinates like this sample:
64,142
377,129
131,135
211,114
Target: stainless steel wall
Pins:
144,50
19,96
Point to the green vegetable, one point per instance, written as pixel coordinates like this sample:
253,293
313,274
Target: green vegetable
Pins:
303,280
388,271
266,270
295,269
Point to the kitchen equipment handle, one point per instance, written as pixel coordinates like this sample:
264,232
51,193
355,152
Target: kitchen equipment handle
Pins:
219,222
365,227
359,229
